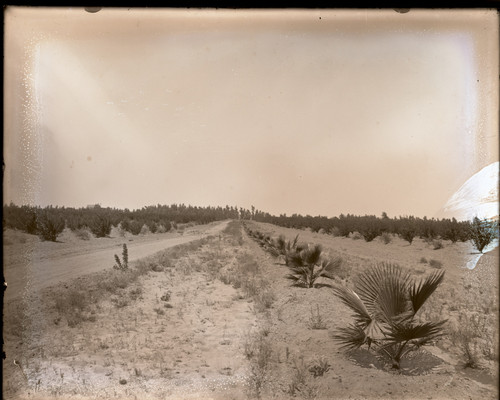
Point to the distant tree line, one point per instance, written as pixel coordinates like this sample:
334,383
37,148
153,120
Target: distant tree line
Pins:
371,226
50,221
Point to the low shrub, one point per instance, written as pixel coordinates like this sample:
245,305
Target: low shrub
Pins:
437,244
356,236
335,232
316,320
319,367
386,238
82,233
465,335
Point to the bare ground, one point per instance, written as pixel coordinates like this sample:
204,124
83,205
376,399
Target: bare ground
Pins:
182,333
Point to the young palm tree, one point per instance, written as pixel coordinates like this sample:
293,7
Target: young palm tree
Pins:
384,304
283,248
307,266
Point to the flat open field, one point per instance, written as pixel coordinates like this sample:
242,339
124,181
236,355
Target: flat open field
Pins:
216,318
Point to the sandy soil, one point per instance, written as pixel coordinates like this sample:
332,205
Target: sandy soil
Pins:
181,333
30,264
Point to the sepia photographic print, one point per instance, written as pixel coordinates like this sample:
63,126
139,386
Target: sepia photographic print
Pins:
250,203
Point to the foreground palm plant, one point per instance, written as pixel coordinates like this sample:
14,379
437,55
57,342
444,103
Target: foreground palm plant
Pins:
307,266
384,304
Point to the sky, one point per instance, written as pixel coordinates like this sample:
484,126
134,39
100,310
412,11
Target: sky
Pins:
317,112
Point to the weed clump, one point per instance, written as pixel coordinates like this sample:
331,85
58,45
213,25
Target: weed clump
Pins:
316,320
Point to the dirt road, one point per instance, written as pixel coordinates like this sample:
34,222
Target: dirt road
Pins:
43,264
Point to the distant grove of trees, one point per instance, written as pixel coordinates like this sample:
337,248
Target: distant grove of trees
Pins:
50,221
370,226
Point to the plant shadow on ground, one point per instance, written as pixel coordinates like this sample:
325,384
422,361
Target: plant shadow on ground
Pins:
420,362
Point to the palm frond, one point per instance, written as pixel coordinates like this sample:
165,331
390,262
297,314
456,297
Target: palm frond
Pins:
299,276
350,338
295,260
419,293
280,244
370,284
352,300
327,268
274,251
312,254
422,333
393,302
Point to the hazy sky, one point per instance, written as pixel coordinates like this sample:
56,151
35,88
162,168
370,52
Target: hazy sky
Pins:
314,112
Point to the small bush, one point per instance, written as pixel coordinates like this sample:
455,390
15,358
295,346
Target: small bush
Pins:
423,260
386,238
356,236
82,233
319,367
437,244
465,334
335,232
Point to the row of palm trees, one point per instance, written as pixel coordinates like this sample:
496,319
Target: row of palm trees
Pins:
384,302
